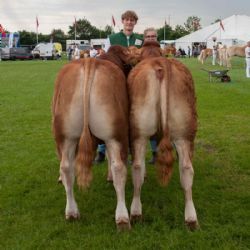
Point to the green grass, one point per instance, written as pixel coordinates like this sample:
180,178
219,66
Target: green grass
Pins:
32,203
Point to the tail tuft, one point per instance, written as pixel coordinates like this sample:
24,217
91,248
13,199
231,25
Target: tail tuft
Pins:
164,161
84,160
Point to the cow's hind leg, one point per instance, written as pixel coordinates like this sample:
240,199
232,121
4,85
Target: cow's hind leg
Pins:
119,173
67,176
186,177
138,173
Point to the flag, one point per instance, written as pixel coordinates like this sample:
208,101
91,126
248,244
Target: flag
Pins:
221,25
165,23
37,23
2,29
113,21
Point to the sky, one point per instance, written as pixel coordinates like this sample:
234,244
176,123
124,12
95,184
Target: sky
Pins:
16,15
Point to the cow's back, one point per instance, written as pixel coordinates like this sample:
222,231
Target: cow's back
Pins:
149,75
108,98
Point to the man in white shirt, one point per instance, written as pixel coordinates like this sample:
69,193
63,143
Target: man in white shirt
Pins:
76,52
214,55
93,52
247,53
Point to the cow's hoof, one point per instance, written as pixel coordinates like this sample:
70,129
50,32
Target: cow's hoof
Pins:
134,218
123,224
109,179
192,225
72,216
59,181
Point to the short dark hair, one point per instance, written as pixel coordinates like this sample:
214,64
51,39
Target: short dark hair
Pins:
130,14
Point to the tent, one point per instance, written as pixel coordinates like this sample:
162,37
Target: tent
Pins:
229,31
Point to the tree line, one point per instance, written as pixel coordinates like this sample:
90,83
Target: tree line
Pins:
86,31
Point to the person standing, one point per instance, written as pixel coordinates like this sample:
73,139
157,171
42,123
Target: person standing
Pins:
247,53
93,52
214,55
150,34
76,52
189,52
126,37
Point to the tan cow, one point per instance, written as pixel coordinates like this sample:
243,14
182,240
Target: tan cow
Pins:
235,50
205,53
162,101
84,53
169,50
90,101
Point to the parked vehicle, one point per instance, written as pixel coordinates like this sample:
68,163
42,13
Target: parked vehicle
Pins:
58,47
45,51
21,53
5,53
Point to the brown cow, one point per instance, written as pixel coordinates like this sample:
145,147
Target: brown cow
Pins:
90,101
169,50
162,101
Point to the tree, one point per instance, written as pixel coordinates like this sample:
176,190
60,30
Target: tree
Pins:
168,33
84,30
57,35
108,30
27,38
192,24
179,32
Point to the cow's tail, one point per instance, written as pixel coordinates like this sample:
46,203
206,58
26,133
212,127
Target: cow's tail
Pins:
164,160
85,153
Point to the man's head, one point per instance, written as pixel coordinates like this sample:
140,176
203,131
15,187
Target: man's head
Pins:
248,43
129,20
150,34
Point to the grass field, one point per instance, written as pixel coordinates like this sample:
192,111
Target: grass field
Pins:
32,203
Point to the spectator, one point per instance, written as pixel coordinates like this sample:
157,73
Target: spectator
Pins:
214,54
93,52
76,52
247,53
189,52
70,52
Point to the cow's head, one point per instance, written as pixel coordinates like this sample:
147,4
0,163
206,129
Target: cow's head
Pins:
123,53
150,49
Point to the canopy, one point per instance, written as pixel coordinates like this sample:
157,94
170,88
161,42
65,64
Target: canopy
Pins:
232,30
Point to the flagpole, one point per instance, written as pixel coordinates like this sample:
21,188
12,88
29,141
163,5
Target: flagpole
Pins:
165,30
75,30
37,30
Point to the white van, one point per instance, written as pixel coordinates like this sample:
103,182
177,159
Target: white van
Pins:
44,51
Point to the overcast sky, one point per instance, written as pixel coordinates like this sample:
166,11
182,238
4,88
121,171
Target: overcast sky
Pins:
18,15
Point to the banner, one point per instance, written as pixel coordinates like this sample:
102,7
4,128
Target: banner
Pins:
11,37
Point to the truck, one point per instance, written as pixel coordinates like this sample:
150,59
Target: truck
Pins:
47,51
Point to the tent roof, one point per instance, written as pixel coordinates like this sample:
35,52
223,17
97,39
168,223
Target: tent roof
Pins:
235,27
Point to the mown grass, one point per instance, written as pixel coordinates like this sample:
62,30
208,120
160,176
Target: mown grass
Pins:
32,203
